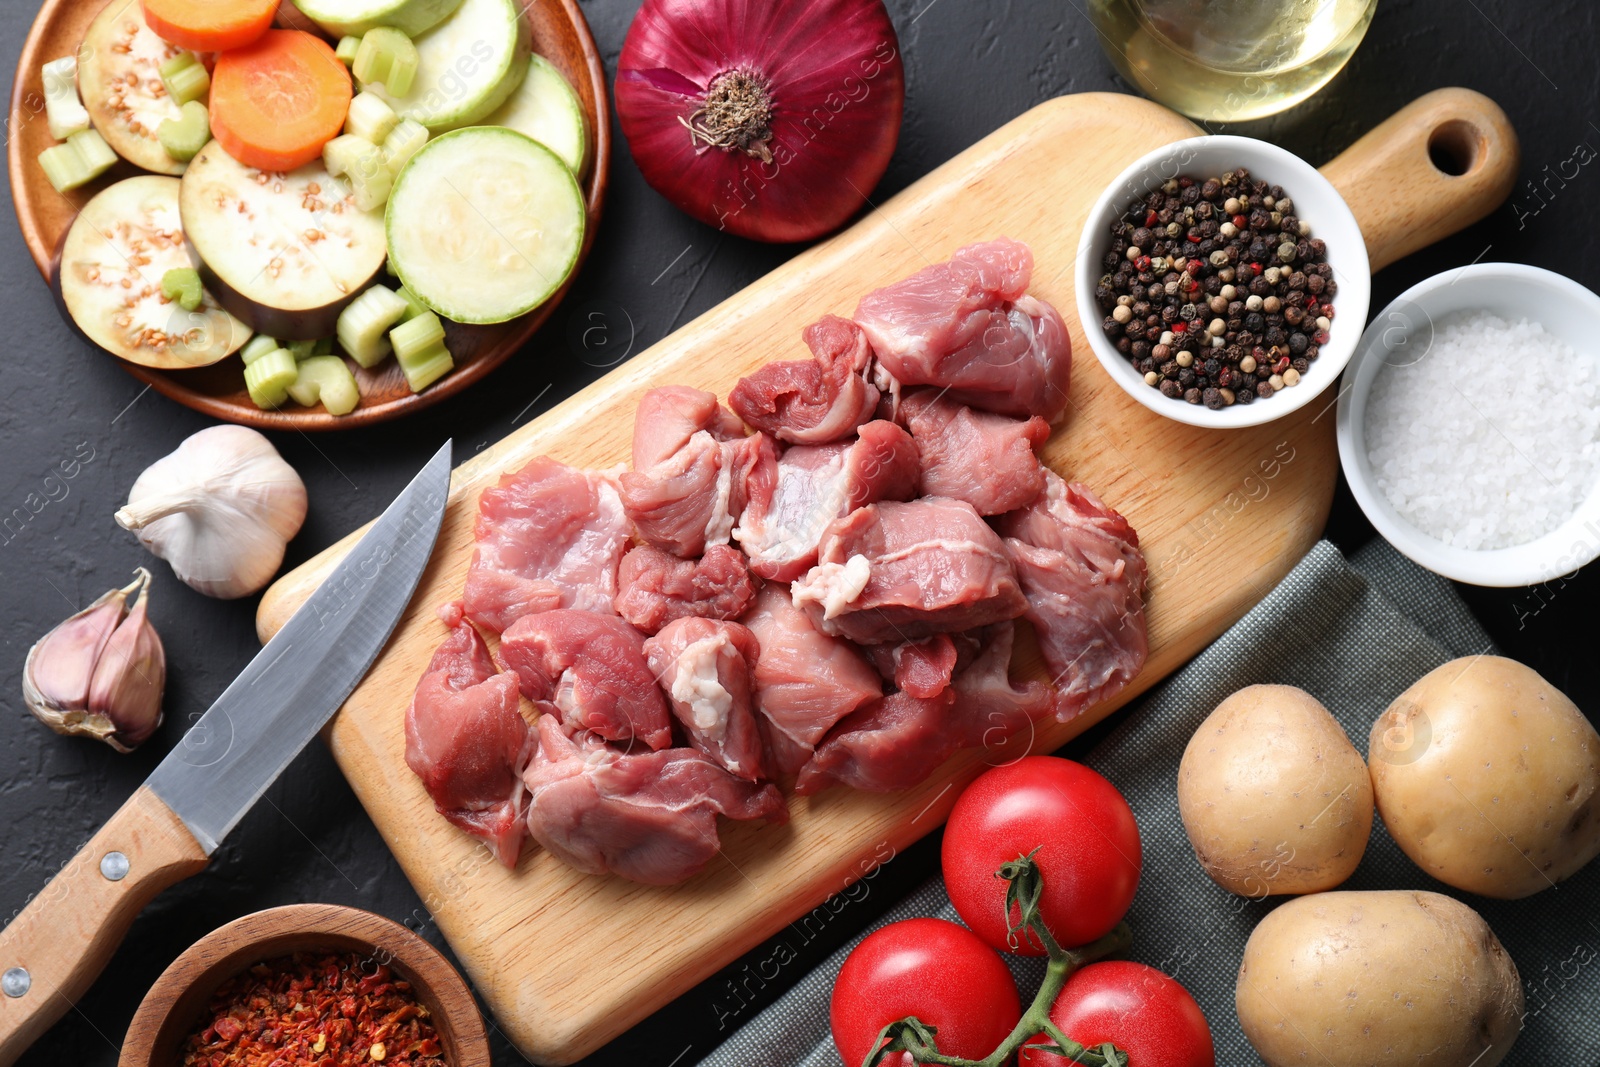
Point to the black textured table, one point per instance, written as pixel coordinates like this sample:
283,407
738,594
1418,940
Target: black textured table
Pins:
971,65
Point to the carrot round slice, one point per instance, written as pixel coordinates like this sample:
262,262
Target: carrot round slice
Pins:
276,102
209,26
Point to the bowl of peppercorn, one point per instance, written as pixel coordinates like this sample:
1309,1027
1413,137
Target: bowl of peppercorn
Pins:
308,984
1222,281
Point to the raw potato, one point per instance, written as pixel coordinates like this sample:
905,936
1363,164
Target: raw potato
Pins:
1275,798
1487,777
1389,979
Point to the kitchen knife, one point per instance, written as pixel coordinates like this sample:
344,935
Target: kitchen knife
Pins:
60,942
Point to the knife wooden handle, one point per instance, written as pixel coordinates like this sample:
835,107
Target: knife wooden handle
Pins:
53,951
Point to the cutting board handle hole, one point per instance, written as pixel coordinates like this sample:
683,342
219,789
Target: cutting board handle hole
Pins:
1456,147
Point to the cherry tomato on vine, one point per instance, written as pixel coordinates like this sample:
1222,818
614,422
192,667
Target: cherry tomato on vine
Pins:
1142,1011
1087,841
933,969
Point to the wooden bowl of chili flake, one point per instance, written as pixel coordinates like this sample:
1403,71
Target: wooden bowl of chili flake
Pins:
304,985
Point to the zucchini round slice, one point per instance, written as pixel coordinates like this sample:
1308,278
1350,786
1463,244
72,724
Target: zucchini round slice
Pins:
120,247
467,66
353,18
284,252
485,224
119,78
545,108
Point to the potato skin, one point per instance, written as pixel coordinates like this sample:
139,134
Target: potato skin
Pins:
1481,753
1384,979
1275,798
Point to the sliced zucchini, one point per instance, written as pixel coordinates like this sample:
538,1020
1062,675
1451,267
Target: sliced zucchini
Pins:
284,252
63,110
365,322
80,161
355,17
370,118
468,66
546,108
325,379
109,276
119,78
268,378
485,224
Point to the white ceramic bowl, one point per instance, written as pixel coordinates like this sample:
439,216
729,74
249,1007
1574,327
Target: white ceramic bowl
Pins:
1315,200
1403,332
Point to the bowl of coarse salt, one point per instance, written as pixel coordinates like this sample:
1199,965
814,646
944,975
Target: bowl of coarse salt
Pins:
1469,424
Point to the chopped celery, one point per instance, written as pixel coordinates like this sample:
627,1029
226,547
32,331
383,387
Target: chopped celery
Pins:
414,304
327,379
256,347
269,376
346,52
182,138
403,142
185,78
420,350
364,322
81,160
324,347
386,55
360,163
369,118
183,285
64,111
425,369
301,349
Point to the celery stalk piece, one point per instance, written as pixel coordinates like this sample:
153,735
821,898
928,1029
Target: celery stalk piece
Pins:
369,118
386,55
63,110
346,52
417,336
256,347
182,138
301,350
414,304
269,376
81,160
183,285
364,322
185,78
327,379
425,369
403,142
324,347
93,150
360,163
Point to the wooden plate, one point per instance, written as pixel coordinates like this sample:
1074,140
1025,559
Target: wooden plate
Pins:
560,34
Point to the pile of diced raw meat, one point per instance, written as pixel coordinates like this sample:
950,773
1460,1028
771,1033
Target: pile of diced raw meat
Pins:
829,599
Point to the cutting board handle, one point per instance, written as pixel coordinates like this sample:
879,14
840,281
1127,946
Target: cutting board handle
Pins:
54,950
1436,166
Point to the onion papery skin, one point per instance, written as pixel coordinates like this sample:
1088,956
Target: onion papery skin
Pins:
836,82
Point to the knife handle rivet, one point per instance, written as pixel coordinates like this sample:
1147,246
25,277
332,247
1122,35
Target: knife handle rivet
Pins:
15,982
114,866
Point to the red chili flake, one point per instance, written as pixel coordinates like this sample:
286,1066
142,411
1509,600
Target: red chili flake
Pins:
1327,311
1281,366
1151,218
1240,221
1321,337
1142,263
1180,327
333,1010
1192,286
1195,265
1194,238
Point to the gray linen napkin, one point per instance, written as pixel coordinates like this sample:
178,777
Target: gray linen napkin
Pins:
1354,634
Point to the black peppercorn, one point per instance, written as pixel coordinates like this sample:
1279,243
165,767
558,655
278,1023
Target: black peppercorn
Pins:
1171,389
1192,396
1298,343
1213,399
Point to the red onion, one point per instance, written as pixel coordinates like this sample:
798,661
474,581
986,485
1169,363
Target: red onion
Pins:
771,119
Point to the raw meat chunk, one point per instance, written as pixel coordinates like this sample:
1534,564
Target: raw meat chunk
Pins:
969,327
705,668
654,588
589,671
894,572
795,497
650,817
985,459
549,536
896,742
814,401
690,462
923,668
805,681
1084,577
468,742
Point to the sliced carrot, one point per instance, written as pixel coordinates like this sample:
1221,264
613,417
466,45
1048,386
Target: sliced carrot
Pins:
276,102
209,26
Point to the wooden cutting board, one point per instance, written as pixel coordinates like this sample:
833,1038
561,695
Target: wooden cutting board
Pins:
567,961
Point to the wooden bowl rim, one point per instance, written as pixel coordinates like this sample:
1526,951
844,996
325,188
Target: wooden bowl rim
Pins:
171,383
262,935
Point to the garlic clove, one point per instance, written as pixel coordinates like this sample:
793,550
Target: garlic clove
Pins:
102,672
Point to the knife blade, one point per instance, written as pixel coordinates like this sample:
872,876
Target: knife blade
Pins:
58,944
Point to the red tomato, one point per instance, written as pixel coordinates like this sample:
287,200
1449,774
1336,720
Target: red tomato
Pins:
930,968
1088,844
1146,1014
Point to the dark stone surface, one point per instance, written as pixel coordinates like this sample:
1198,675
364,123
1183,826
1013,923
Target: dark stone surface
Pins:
971,66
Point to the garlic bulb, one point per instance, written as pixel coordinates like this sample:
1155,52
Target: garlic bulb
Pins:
220,509
102,672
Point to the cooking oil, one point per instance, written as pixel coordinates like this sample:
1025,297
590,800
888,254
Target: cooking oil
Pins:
1230,60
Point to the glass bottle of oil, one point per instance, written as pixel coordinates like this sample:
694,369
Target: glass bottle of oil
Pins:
1230,60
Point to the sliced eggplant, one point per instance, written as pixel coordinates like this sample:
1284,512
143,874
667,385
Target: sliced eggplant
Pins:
108,278
119,78
284,252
